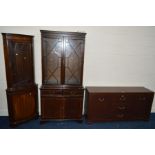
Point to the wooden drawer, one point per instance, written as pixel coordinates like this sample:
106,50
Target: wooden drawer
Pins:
51,92
136,97
102,98
73,92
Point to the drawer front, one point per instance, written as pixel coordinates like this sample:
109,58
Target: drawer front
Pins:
72,92
102,98
133,97
51,92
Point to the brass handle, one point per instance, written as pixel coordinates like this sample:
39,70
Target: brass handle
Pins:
30,94
72,92
121,108
16,53
142,98
120,115
122,98
101,99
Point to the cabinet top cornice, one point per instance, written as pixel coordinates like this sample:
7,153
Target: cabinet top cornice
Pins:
47,32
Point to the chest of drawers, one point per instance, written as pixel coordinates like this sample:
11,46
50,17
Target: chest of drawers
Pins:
118,103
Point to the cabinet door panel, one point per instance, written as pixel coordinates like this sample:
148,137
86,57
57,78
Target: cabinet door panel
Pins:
52,59
73,108
23,106
21,62
73,57
100,110
52,108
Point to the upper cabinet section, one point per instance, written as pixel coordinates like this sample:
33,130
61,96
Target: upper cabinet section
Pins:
62,57
18,52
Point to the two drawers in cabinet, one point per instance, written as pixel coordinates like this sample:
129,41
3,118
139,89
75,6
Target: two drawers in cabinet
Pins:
62,92
118,106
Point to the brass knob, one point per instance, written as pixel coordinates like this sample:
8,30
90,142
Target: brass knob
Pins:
72,92
121,108
101,99
122,98
120,115
142,98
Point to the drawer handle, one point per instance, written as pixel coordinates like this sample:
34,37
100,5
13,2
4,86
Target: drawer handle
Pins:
122,98
30,94
120,115
101,99
72,92
142,98
121,108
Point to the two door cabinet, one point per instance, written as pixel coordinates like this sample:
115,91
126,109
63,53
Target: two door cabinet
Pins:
62,75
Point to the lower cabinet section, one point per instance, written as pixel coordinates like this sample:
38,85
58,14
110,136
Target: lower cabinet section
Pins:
61,108
64,106
109,104
22,105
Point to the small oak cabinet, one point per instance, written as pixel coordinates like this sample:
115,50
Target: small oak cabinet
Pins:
21,89
62,75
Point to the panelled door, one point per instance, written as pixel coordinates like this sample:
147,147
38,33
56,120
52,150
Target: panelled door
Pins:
23,105
52,60
63,60
73,58
21,62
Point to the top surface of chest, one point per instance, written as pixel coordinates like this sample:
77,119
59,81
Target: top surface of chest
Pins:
118,90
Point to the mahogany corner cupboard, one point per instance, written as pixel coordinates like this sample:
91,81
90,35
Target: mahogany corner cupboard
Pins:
22,96
62,75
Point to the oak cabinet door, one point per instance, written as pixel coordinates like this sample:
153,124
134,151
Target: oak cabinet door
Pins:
73,60
52,60
24,106
21,62
73,108
52,108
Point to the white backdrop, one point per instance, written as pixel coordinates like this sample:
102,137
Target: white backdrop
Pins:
114,56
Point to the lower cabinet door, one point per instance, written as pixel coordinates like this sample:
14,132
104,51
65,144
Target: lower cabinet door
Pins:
52,108
73,108
22,106
100,109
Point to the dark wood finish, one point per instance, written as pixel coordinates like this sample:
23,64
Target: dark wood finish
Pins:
62,75
21,90
118,103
